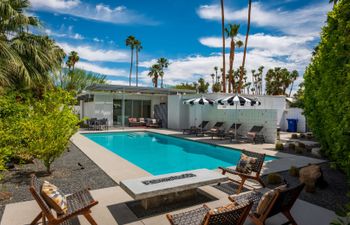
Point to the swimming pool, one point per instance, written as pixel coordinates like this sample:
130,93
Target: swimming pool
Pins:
161,154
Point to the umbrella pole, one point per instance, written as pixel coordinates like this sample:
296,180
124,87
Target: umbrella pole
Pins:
235,140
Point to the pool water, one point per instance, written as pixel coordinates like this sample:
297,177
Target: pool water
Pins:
161,154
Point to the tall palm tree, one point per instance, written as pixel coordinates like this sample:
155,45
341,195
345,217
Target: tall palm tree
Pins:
130,41
245,47
216,73
223,45
154,73
212,77
27,60
138,48
231,32
73,58
163,63
293,76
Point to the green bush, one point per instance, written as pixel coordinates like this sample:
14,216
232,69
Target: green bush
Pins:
302,136
301,145
294,136
32,127
274,179
291,146
293,171
279,146
327,87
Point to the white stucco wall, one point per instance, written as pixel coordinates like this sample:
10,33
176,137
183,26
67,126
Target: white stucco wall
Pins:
295,113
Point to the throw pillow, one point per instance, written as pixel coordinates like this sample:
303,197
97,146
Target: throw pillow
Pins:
54,197
266,199
245,164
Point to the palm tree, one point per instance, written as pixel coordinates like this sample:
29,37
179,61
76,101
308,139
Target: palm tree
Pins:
245,47
130,41
293,76
163,63
231,32
216,73
138,48
155,72
73,58
212,77
223,45
27,60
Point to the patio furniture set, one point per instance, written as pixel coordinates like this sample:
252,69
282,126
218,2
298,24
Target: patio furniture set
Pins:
156,191
254,135
144,122
97,124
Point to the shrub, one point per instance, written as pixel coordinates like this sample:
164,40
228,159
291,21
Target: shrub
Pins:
327,87
299,150
279,146
274,179
294,136
302,136
293,171
50,125
291,146
301,145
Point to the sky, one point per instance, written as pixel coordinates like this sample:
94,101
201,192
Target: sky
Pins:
188,33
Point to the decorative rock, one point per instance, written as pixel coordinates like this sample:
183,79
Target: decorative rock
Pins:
309,175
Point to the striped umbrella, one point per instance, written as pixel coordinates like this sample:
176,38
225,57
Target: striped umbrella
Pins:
237,100
198,101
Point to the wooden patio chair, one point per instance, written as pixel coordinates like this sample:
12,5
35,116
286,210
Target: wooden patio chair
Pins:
254,175
205,216
282,202
79,203
232,131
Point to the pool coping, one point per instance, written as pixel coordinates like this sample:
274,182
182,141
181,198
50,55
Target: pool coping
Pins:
120,169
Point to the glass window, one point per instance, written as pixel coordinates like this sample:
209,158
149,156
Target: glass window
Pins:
146,109
136,108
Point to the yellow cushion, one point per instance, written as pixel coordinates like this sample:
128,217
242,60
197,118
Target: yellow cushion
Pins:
54,197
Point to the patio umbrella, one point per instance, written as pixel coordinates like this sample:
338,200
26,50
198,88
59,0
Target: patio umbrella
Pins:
199,101
237,100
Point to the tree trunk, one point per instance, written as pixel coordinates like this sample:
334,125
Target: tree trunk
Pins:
232,58
291,88
155,82
132,58
245,47
223,46
137,68
161,81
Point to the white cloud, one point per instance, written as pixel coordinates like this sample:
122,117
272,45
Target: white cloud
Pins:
99,12
101,70
78,37
54,4
307,20
92,54
62,33
294,48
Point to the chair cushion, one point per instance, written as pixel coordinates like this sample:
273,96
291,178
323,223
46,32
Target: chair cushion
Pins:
142,120
54,197
245,164
266,200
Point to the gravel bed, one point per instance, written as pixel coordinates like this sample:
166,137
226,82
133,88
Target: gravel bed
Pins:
71,172
331,197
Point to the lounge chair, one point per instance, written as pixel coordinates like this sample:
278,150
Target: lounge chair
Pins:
195,130
229,215
230,132
281,202
254,175
214,130
254,135
79,203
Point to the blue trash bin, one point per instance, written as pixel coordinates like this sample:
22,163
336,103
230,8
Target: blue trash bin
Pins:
292,125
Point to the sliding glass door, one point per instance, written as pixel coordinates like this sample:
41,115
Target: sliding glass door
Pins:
133,108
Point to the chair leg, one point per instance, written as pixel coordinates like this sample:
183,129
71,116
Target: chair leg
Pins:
289,217
261,182
37,218
240,188
90,219
223,173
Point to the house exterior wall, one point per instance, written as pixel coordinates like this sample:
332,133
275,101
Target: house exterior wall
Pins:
102,106
295,113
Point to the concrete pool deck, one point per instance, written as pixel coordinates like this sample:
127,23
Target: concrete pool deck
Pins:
112,209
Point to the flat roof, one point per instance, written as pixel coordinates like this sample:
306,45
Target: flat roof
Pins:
139,89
